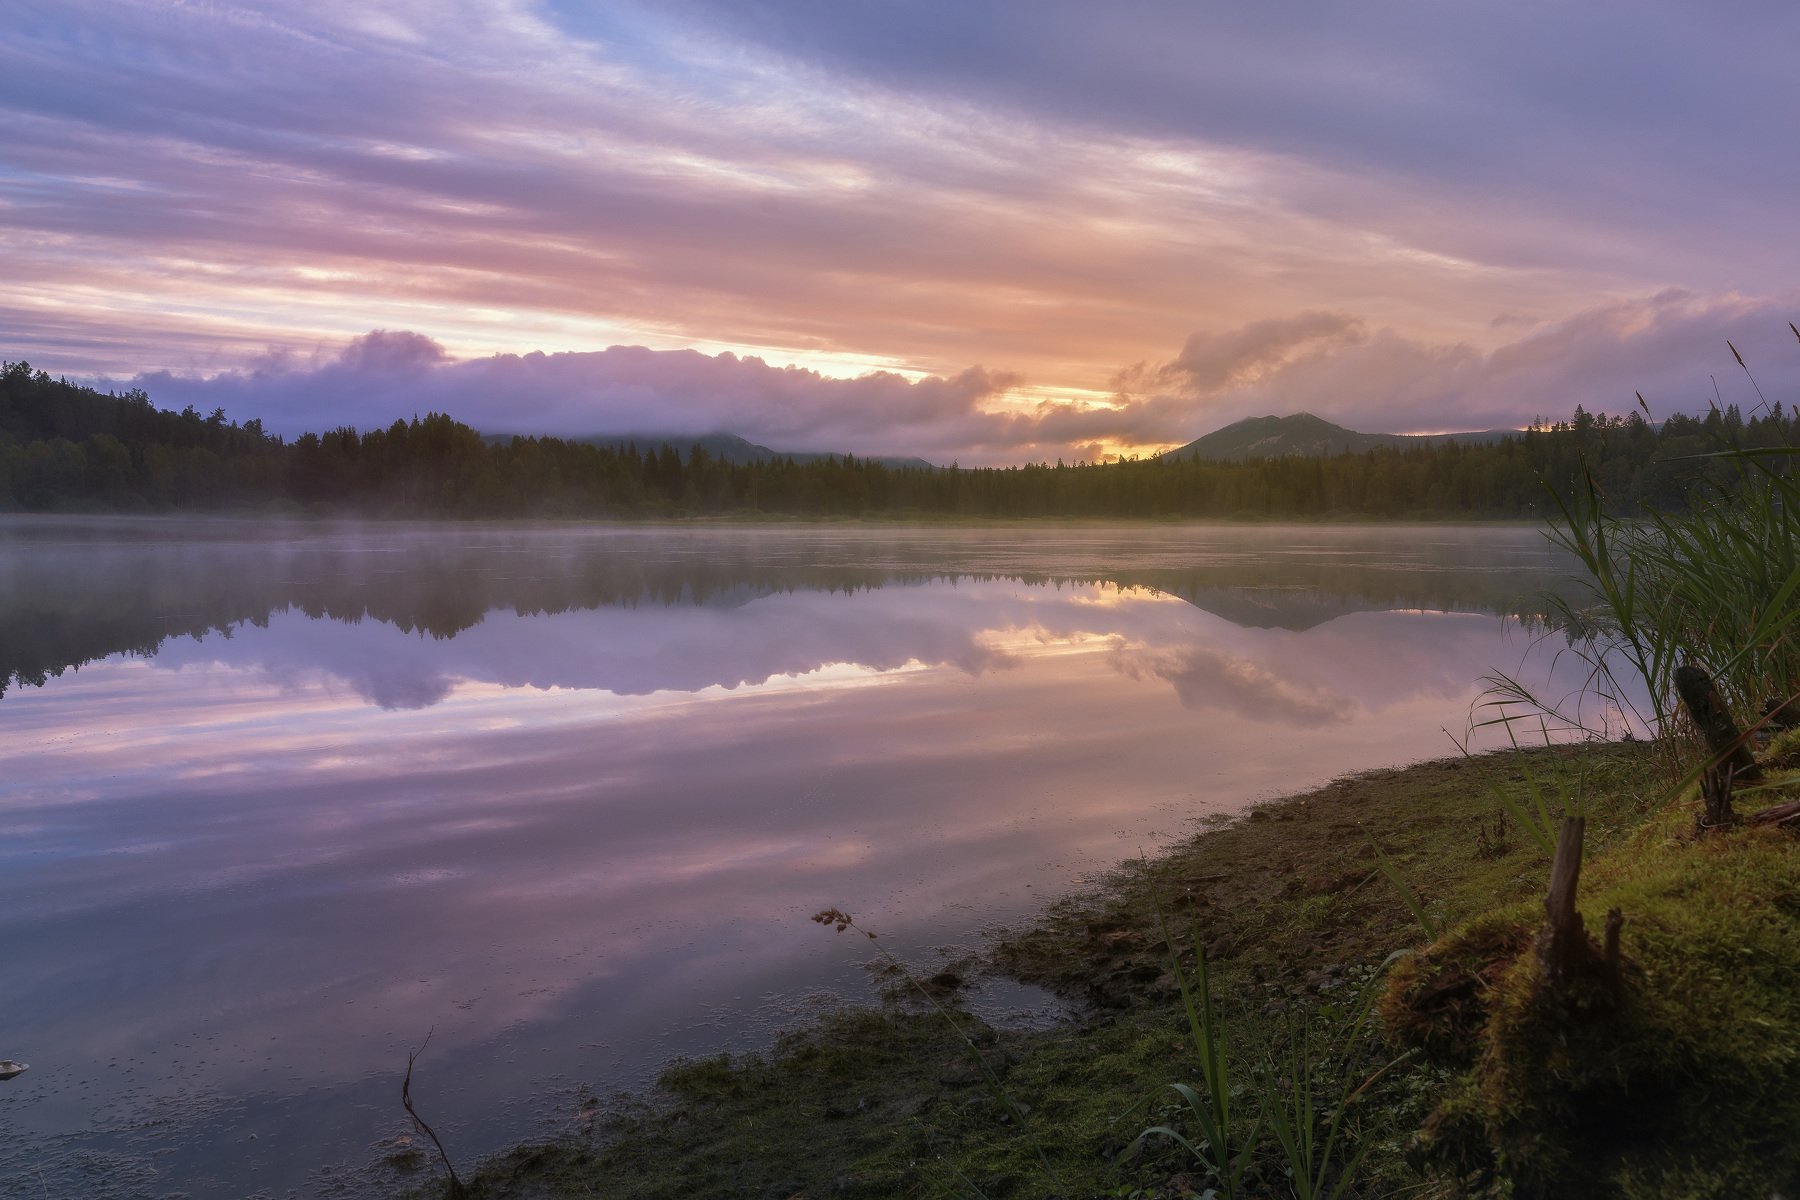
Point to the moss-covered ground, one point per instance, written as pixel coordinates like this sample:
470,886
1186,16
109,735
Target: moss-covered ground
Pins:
1676,1076
1297,919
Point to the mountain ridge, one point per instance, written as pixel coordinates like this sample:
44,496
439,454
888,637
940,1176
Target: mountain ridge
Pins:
727,446
1303,435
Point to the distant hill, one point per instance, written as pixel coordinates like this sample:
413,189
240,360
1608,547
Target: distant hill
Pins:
725,446
1302,435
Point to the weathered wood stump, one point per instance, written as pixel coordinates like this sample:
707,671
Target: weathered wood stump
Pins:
1577,970
1563,946
1723,738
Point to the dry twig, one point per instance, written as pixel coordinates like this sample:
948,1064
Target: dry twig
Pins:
456,1188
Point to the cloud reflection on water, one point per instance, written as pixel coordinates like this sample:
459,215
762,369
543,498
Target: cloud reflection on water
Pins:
577,840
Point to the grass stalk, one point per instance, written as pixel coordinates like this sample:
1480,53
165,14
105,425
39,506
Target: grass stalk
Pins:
1221,1147
1306,1099
1397,880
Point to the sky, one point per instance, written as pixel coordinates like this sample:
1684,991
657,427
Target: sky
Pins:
963,229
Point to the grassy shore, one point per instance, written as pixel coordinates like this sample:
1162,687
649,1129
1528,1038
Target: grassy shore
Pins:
1299,921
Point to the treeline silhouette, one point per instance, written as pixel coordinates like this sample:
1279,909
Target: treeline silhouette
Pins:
60,611
69,448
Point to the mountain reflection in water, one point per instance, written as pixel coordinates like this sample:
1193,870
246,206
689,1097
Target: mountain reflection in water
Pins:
281,798
76,591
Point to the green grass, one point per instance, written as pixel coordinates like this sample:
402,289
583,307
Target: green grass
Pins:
1686,1084
1222,1143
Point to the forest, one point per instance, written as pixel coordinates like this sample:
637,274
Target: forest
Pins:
68,448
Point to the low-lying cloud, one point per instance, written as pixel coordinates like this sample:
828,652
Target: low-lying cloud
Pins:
388,375
1671,347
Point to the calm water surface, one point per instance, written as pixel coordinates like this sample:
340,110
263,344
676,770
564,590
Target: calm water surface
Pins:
278,800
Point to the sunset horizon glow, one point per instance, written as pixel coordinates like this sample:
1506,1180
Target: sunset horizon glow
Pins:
971,232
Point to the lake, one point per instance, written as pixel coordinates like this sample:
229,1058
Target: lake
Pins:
280,800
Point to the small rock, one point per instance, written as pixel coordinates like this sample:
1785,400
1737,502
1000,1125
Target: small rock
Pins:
409,1159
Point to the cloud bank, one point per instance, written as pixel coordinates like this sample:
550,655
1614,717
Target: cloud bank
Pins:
1671,347
386,375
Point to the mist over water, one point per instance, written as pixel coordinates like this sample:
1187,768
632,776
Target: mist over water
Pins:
279,799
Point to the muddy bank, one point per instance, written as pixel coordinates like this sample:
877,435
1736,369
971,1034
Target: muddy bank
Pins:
1295,915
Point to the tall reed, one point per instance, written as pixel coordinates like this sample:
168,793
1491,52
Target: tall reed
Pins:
1713,583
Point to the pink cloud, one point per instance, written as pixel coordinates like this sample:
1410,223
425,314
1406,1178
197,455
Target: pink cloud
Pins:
385,375
1670,346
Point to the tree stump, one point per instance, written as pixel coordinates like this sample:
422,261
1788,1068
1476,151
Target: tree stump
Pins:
1563,946
1723,738
1580,974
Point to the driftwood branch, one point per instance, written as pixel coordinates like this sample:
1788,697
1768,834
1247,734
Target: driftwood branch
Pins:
1726,742
456,1188
1777,814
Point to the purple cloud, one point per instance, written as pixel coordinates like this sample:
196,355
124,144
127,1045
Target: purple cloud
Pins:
1671,347
386,375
